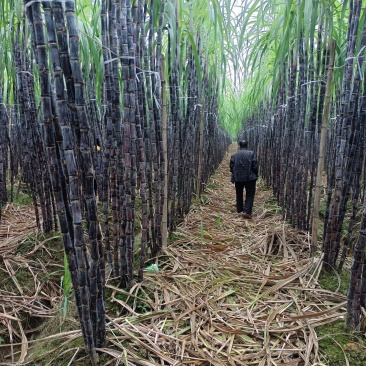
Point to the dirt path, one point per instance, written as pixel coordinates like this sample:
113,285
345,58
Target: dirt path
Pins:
228,291
231,291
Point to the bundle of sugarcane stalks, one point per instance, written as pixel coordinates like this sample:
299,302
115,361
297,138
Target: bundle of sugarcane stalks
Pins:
310,136
110,148
225,292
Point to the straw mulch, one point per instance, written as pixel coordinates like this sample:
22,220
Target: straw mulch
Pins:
228,291
28,292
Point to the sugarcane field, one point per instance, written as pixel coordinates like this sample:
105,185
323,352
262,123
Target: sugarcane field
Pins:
182,182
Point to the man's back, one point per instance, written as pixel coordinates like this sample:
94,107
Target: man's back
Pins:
244,166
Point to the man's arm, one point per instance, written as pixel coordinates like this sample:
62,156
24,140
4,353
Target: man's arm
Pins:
254,165
231,163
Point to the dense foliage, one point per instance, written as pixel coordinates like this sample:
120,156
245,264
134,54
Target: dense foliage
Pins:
305,108
93,110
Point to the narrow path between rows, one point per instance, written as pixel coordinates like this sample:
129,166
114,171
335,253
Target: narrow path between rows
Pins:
231,291
228,291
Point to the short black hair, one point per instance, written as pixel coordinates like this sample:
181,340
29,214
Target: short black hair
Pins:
243,144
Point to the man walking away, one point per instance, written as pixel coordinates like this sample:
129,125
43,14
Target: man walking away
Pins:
244,170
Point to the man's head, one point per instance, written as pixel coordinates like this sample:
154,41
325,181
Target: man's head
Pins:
243,144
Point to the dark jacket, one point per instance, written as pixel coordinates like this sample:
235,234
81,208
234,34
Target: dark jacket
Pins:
244,166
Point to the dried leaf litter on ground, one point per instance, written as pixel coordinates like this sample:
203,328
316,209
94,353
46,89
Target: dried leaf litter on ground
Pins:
228,291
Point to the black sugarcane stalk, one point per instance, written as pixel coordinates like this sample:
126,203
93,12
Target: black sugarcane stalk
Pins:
149,128
97,269
114,113
4,121
332,239
75,257
108,134
133,102
140,123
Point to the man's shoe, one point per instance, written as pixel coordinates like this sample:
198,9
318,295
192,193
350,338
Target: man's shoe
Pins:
247,216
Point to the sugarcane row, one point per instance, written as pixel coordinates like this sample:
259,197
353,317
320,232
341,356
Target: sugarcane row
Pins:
97,172
313,120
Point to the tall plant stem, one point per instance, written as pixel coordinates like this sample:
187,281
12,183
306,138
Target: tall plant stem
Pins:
164,222
323,134
200,152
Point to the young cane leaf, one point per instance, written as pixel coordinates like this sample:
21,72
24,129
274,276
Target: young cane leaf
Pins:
66,283
66,286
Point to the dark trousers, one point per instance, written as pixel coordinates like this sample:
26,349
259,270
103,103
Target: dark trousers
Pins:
249,196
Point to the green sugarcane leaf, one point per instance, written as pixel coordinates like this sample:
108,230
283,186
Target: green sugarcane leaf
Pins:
66,281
